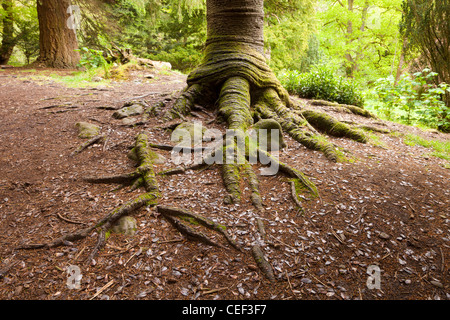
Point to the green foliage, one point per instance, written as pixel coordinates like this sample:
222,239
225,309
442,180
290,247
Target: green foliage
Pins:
414,100
426,24
92,59
181,58
286,48
361,37
322,83
172,31
25,35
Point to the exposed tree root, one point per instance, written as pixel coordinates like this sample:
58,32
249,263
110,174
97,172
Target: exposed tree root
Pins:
88,143
143,176
185,102
344,108
262,262
237,78
190,216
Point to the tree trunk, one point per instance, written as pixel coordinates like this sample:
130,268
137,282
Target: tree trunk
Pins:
234,77
57,42
8,41
236,21
351,63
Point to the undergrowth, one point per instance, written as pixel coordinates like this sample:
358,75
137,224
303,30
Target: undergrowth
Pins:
322,83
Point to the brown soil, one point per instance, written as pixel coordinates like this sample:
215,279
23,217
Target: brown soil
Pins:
389,206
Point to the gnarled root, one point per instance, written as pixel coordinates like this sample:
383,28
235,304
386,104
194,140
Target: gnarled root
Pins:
246,89
170,213
143,176
144,173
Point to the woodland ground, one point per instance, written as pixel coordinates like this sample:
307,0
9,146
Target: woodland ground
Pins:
388,205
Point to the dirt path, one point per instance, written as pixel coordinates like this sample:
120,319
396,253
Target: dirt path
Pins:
388,207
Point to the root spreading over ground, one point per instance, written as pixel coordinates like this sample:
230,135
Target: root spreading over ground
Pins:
236,82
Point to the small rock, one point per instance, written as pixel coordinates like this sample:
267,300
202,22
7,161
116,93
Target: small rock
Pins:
407,281
126,225
130,111
87,130
436,284
384,235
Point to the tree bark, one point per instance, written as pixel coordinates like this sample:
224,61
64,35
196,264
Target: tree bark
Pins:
8,41
236,20
57,42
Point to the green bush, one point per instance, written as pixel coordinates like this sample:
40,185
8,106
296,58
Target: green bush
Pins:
414,99
181,58
321,83
92,59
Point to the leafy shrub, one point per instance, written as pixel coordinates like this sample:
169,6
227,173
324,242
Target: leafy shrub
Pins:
181,58
414,99
321,83
92,59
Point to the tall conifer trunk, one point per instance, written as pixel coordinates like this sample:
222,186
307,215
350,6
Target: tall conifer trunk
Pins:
57,42
236,21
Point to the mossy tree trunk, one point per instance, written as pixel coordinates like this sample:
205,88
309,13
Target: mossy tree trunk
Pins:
235,76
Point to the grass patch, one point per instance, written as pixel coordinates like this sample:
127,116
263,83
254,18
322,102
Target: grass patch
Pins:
441,149
80,79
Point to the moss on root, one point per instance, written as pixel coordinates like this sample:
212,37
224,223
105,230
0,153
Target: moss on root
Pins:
331,126
185,102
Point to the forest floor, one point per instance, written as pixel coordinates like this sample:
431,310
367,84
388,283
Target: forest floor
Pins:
388,206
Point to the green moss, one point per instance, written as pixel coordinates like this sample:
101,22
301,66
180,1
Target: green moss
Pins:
87,130
189,219
226,59
325,123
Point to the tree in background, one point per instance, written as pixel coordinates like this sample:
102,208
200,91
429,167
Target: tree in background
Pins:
288,33
426,26
362,36
57,42
9,39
